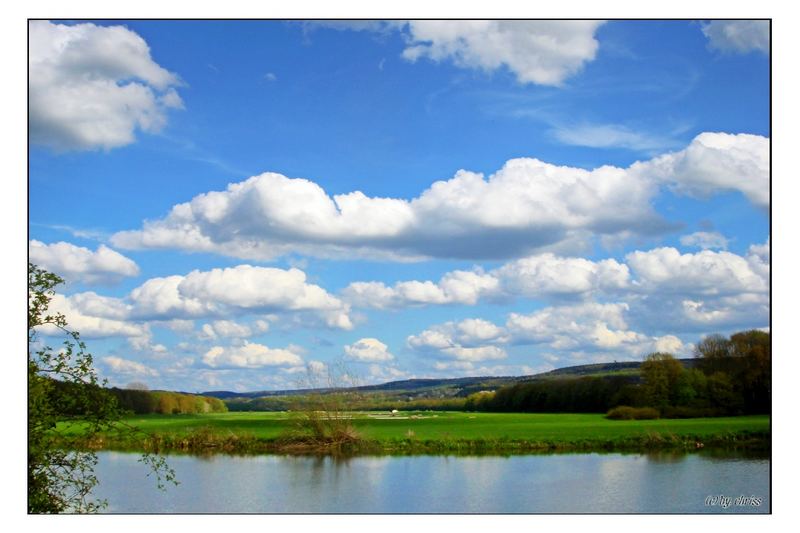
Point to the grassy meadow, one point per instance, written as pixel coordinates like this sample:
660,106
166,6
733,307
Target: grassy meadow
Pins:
442,431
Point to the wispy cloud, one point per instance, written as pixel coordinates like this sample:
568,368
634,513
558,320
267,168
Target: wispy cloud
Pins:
563,127
191,151
707,240
91,234
612,136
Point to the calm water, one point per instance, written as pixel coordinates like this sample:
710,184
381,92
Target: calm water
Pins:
574,483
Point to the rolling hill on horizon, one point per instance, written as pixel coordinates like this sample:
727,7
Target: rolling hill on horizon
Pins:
462,386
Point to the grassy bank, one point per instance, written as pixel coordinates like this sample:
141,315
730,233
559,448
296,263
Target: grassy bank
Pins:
428,432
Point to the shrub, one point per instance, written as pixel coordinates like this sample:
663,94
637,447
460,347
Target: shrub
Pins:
322,417
625,412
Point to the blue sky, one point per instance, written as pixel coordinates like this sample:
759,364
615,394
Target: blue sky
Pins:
414,199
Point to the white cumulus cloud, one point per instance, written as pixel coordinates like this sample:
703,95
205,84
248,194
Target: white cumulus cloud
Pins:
706,272
707,291
166,302
573,326
229,328
250,355
540,276
126,367
161,298
76,263
716,162
90,326
544,52
456,287
761,251
749,311
262,288
547,274
523,208
368,350
590,327
243,289
738,35
658,274
93,86
469,340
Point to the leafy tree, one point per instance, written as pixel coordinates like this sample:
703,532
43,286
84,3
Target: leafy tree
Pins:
691,389
754,378
721,393
743,363
714,352
63,387
661,373
139,402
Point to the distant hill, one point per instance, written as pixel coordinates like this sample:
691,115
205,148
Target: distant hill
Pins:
601,369
415,386
452,387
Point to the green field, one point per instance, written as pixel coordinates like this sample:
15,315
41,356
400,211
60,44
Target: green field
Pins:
437,431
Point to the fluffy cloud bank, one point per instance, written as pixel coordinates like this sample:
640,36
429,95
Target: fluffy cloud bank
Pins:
658,272
75,263
525,206
569,329
93,86
589,327
668,290
702,292
218,293
544,275
738,35
239,290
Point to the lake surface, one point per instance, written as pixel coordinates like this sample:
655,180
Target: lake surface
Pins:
562,483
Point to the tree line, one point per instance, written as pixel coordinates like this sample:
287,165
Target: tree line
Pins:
77,399
142,402
731,376
356,402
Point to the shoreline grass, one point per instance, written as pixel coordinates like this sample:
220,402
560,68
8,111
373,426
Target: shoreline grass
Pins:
429,433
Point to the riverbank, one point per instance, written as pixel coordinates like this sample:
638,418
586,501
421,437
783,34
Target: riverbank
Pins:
427,433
